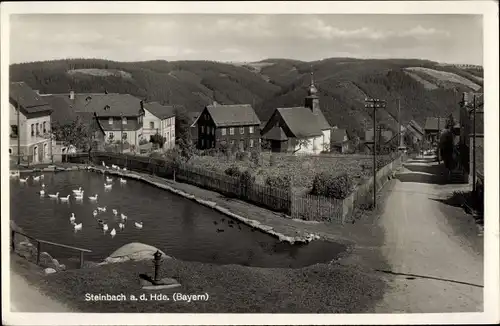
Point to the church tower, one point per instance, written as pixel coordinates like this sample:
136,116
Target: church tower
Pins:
312,99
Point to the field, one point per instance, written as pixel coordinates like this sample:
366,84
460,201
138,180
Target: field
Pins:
301,169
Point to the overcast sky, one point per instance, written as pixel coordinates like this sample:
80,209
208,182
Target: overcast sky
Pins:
443,38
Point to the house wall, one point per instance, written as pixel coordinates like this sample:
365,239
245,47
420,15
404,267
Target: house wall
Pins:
132,137
326,140
26,122
147,129
314,145
168,131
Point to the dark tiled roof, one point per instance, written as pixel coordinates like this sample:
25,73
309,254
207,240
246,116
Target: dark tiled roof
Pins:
337,136
323,124
431,123
233,115
301,121
21,94
63,112
90,119
417,127
125,104
275,133
160,111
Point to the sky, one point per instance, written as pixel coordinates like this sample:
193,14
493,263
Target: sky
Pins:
454,39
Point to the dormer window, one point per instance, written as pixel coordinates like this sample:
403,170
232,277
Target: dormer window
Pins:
110,120
106,108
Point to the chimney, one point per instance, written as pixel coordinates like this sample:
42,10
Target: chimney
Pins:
71,95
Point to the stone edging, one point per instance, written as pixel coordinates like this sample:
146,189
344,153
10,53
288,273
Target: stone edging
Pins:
252,223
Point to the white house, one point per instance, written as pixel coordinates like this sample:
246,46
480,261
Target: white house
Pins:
30,124
160,119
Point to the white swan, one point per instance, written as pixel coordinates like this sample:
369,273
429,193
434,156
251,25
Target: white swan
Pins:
107,167
113,166
121,226
108,186
36,178
94,213
42,192
124,217
138,225
24,180
124,169
115,212
123,180
108,179
43,185
117,168
77,191
103,164
54,196
42,176
78,226
64,198
79,195
93,197
113,232
101,209
105,227
72,218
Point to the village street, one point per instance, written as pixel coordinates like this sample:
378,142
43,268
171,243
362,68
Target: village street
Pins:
437,244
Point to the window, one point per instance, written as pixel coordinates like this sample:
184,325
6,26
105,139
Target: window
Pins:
110,120
124,120
242,144
223,131
10,150
251,142
213,131
37,129
111,136
202,129
124,136
231,131
32,130
202,142
250,130
242,130
213,143
44,127
151,125
13,131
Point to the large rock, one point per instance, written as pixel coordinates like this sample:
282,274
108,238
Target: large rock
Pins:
47,261
133,251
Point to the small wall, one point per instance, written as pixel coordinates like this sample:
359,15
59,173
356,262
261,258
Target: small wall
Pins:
363,194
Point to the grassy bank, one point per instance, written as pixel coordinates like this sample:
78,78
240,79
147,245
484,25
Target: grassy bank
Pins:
232,289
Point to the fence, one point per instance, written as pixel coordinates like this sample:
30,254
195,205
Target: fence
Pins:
39,246
306,207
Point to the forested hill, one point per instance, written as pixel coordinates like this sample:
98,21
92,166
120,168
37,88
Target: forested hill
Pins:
424,88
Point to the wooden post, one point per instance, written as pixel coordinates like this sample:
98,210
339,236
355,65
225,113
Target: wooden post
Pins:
39,250
81,259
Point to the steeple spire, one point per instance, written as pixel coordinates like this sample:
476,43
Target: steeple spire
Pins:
312,89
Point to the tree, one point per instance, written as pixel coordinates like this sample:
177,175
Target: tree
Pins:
157,140
75,133
302,142
183,132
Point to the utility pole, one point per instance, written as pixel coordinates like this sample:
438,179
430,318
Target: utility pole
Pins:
474,144
121,133
18,134
399,124
374,104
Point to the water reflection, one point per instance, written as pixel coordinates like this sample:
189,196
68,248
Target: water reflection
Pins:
178,226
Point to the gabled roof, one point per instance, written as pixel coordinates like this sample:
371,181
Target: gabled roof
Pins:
21,94
301,121
337,135
323,124
193,116
417,127
233,115
62,110
160,111
275,133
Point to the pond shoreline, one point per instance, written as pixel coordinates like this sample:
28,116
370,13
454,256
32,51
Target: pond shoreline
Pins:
171,186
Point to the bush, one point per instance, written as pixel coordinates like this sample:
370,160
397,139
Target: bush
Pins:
241,156
233,171
278,181
247,179
255,157
328,185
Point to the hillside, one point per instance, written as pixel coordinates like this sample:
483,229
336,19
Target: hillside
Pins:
425,88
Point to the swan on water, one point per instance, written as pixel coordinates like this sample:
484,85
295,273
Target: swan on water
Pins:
105,227
42,176
24,180
78,226
36,178
113,166
43,185
108,179
138,225
54,196
103,164
94,213
101,209
64,198
123,180
113,232
124,217
93,197
72,218
42,192
115,212
121,226
124,169
77,191
117,168
107,167
108,186
79,195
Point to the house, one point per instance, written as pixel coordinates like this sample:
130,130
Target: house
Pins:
302,129
30,124
234,125
193,116
383,135
63,113
415,131
339,140
433,127
160,119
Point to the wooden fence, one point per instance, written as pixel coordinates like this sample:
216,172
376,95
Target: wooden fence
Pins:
39,246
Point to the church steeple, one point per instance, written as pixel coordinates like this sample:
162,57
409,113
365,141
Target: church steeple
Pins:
312,91
312,99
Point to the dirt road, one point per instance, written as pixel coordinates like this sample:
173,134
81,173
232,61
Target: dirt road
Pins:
435,245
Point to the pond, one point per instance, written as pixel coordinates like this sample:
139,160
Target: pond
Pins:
178,226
